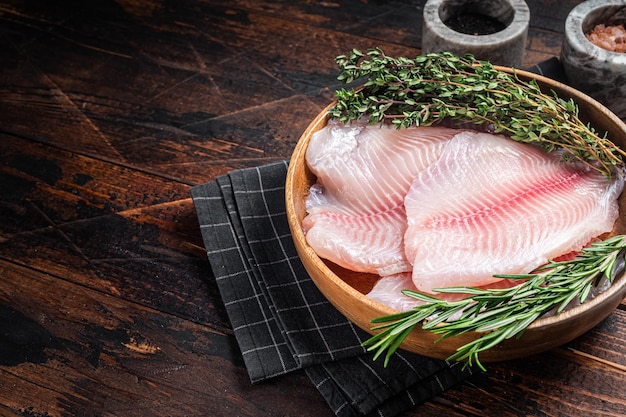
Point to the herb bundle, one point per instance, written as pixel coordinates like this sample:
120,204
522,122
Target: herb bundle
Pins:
501,314
433,88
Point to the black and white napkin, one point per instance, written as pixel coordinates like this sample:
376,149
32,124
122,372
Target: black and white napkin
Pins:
280,319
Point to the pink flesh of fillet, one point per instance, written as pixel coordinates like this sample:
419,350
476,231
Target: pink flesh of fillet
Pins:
388,291
356,212
364,169
494,206
372,243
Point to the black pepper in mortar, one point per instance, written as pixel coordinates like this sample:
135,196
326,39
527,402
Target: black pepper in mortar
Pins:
474,24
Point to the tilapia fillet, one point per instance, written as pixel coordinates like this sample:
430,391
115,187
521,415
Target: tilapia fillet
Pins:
356,215
365,169
388,291
372,243
453,207
490,205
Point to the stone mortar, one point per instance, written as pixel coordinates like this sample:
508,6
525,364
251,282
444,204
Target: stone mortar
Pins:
504,48
593,70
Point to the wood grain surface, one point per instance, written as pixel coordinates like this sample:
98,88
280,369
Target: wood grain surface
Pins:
110,110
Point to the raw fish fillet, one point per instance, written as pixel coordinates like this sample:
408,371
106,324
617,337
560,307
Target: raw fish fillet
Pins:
356,209
388,291
365,169
490,205
370,243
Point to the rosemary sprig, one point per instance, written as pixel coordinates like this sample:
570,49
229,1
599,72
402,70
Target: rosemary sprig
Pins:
432,88
501,314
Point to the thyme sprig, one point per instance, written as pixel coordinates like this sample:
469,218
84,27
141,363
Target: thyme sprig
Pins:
431,88
501,314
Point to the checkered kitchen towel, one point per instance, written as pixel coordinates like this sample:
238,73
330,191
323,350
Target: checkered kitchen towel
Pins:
281,321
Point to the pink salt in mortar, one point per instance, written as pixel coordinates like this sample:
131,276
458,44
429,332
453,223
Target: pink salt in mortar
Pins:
595,63
612,37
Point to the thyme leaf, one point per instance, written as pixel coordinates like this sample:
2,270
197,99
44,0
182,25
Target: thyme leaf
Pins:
431,88
501,314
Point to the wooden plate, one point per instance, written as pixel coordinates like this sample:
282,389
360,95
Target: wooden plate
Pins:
346,289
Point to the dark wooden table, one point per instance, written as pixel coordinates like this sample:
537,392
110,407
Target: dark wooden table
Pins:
109,112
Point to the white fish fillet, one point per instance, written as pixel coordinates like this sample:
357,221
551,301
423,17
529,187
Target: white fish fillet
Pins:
490,205
388,291
365,169
356,209
370,243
